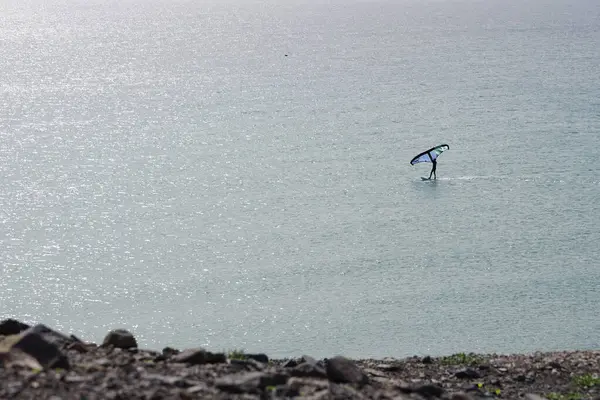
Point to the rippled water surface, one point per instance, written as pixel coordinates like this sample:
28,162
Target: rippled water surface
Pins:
235,174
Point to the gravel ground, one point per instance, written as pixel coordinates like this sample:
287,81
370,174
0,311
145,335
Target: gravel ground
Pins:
40,363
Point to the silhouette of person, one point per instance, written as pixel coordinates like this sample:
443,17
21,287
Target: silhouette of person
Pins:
434,162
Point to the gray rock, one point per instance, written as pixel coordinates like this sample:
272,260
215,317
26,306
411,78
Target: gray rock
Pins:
344,392
401,385
75,339
103,361
45,352
320,395
120,339
199,356
171,380
249,365
533,396
309,370
374,372
250,382
389,367
315,384
304,387
461,396
554,364
262,358
12,327
53,336
291,363
201,387
401,397
15,357
467,373
168,352
383,380
308,359
202,390
78,347
72,378
164,379
429,390
343,370
157,393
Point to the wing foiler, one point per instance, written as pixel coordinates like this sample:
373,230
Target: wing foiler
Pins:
430,155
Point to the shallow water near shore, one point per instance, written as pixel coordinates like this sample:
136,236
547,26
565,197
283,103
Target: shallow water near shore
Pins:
236,175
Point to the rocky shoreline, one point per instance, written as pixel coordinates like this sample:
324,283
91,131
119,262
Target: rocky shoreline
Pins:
37,362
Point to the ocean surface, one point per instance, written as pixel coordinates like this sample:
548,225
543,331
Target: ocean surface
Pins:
235,174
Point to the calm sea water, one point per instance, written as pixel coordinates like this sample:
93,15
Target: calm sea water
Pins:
235,174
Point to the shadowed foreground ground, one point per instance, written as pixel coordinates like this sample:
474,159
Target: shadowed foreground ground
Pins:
40,363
